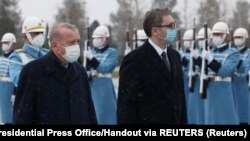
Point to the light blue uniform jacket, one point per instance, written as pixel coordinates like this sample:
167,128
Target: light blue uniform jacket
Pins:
240,85
102,88
220,105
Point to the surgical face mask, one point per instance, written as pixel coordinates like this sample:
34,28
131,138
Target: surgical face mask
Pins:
37,41
239,42
72,53
202,43
218,40
187,44
6,47
170,37
98,42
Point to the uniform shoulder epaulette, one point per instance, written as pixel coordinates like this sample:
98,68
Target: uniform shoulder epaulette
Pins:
19,50
45,49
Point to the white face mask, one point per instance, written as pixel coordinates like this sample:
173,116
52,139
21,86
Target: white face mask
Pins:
72,53
201,43
187,44
218,40
239,42
37,41
6,47
98,42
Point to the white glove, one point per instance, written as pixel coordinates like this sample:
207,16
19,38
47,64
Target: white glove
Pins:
181,54
88,54
195,54
207,55
12,99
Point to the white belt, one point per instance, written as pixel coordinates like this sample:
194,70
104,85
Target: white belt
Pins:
237,74
218,78
5,79
106,75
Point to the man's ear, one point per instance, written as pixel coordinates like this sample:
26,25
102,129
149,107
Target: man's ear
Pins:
25,38
153,31
53,45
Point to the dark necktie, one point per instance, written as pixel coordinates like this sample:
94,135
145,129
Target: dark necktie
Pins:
166,60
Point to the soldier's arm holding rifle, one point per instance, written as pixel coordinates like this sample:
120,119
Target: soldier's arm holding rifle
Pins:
191,64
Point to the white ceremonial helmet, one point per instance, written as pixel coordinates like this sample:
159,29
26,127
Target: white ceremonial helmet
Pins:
220,27
220,31
201,33
240,32
101,31
9,37
188,39
243,34
141,35
33,24
188,35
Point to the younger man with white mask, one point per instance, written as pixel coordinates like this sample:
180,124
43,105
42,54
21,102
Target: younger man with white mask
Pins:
101,62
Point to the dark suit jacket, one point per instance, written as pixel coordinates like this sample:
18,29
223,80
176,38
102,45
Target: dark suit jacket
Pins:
48,93
148,92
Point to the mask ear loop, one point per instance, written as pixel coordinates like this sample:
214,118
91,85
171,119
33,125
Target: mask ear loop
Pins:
10,45
224,37
29,37
59,51
102,42
244,41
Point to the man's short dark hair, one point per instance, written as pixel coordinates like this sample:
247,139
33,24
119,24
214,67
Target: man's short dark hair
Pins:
154,18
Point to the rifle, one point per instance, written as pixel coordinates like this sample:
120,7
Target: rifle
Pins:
136,39
127,43
204,68
191,64
86,42
178,42
231,43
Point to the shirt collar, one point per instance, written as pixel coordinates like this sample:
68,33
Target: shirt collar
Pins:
157,48
101,50
31,51
7,54
221,48
243,49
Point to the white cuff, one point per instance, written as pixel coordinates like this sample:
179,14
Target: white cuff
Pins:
210,59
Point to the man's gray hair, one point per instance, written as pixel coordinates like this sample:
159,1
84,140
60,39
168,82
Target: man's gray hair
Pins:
54,32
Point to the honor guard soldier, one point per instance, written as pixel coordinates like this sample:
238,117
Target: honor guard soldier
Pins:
220,107
139,38
6,86
33,33
201,38
102,60
185,57
196,104
240,84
